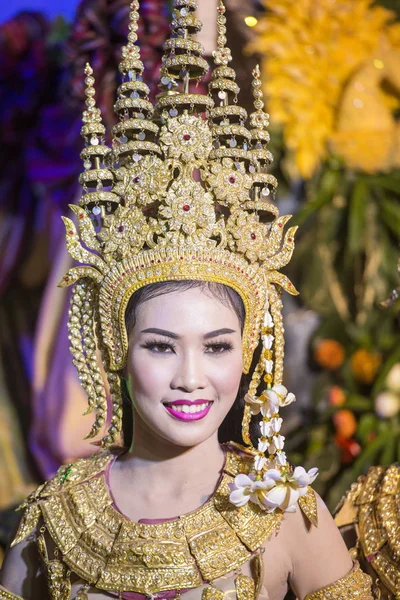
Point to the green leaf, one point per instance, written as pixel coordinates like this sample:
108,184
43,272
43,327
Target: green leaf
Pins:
357,402
389,452
366,425
327,187
390,213
356,222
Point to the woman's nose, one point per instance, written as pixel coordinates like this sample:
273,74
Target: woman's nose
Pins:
189,375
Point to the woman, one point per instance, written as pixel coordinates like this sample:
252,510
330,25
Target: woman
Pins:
180,292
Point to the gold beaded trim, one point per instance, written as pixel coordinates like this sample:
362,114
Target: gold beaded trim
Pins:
231,130
98,150
129,124
95,175
133,86
95,197
261,154
134,103
93,128
231,110
184,99
5,595
134,145
223,71
224,84
190,23
354,585
184,44
184,60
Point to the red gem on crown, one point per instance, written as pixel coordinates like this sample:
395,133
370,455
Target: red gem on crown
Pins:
187,137
186,207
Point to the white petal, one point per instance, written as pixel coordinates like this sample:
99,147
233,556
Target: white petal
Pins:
279,441
273,474
288,400
262,445
277,495
268,366
268,322
272,397
276,424
239,498
268,340
280,390
259,462
266,428
281,458
242,480
301,476
271,448
312,474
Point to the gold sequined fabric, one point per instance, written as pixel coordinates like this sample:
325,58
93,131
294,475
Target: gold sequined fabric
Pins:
4,595
372,508
355,585
110,552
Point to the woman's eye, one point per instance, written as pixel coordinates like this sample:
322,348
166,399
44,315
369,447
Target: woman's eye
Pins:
159,347
219,348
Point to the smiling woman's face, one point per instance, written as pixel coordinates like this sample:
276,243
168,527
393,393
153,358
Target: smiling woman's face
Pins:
184,365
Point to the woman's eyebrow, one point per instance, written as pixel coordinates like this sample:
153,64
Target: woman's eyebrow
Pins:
175,336
223,331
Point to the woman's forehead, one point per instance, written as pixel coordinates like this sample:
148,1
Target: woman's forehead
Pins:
186,309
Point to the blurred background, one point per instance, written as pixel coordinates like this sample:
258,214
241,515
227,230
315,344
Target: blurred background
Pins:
331,78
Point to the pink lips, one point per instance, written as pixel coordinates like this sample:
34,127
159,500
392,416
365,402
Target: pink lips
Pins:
188,416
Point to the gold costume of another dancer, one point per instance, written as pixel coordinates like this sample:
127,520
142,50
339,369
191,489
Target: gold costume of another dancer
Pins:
178,197
369,519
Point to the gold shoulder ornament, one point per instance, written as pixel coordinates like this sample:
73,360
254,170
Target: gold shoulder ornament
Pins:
370,512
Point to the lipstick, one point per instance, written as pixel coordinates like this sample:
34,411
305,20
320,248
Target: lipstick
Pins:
189,411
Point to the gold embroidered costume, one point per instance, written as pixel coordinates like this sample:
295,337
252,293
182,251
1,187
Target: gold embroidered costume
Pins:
108,551
369,518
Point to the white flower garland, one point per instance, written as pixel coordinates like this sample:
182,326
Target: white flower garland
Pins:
272,484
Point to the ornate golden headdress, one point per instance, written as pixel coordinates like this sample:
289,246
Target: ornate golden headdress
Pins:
183,194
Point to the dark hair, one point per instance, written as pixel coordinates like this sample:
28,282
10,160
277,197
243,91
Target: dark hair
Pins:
231,427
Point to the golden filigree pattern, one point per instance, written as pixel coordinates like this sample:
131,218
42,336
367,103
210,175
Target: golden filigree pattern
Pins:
5,595
105,549
308,505
354,585
373,504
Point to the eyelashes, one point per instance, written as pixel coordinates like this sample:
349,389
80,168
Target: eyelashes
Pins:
159,347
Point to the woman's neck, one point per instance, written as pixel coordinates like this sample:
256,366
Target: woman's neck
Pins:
153,463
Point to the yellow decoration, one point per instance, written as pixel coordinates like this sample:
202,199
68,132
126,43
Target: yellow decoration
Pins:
330,74
365,365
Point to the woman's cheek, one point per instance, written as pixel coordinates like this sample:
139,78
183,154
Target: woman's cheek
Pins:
150,374
227,376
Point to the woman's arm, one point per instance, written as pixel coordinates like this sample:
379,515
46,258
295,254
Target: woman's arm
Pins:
21,573
318,555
